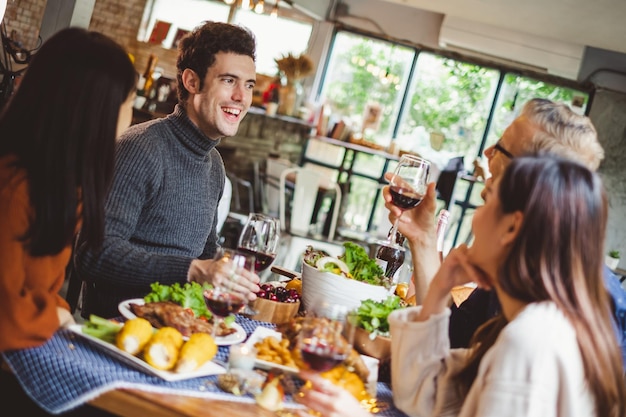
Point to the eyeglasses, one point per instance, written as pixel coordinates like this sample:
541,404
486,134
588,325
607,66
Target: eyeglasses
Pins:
503,151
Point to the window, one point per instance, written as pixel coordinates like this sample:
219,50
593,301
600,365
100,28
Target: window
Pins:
447,108
517,90
364,84
436,106
183,15
272,39
165,21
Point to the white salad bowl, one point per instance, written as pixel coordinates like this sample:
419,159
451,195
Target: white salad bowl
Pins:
318,286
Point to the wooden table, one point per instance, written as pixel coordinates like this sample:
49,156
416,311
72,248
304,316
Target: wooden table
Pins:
134,403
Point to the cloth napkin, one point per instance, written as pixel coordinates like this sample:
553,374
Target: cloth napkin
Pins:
69,371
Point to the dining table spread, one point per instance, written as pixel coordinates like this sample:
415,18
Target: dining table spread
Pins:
69,371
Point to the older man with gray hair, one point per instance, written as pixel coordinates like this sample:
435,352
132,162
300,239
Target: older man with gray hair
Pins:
542,126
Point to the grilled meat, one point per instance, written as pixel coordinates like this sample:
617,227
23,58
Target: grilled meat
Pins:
167,313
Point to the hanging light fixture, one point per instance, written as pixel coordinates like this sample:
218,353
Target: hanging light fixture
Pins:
259,7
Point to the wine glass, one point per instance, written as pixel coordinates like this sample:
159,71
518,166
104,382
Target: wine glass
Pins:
325,339
259,238
222,300
407,187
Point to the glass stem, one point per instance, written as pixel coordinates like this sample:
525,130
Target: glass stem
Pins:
394,231
216,322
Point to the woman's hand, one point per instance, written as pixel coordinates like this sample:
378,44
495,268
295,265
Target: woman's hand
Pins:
327,399
65,317
419,227
417,224
455,270
222,274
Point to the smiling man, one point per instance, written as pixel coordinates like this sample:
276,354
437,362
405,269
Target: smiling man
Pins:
161,213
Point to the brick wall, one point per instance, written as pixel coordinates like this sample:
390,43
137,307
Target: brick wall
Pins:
23,19
120,19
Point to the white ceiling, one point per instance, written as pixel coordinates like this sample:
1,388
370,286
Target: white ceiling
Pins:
597,23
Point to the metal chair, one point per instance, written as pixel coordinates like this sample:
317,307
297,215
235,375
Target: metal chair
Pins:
446,183
306,183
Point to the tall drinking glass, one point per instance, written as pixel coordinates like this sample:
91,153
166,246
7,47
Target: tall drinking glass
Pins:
326,337
407,187
222,300
259,238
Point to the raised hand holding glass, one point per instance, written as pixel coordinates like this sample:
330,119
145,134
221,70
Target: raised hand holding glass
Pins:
407,188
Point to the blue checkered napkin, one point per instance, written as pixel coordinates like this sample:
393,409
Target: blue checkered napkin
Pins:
69,371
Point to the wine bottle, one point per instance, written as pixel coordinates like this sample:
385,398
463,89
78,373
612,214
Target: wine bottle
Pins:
148,78
442,223
391,258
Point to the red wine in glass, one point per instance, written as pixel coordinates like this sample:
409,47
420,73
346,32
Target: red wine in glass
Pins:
321,357
259,237
261,260
407,188
404,198
223,305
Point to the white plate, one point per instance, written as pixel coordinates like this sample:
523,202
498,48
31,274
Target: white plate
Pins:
209,368
259,334
232,339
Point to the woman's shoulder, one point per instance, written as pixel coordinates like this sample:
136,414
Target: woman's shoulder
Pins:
542,321
541,330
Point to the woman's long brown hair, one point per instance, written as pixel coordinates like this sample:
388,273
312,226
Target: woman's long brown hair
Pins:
558,256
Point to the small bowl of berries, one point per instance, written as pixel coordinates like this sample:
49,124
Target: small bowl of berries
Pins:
277,302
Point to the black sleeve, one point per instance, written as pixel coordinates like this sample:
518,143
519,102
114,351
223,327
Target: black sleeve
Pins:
480,306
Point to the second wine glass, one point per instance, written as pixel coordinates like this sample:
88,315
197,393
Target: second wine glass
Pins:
259,238
222,300
325,339
407,188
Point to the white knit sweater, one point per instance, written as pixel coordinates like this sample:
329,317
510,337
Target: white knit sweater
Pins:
533,369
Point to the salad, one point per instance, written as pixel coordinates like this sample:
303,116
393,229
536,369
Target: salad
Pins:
188,295
355,263
372,315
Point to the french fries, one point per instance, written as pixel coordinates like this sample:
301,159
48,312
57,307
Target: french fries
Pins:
276,351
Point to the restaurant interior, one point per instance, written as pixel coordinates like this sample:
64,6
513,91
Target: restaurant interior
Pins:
379,79
327,129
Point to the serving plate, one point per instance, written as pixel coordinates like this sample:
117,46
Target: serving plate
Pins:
209,368
258,335
232,339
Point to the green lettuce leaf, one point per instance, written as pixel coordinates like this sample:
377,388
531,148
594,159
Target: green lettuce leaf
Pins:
372,315
188,295
361,266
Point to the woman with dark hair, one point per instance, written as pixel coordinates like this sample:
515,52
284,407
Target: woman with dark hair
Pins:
553,351
57,141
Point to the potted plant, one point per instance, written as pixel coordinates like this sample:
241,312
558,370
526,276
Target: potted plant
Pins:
612,259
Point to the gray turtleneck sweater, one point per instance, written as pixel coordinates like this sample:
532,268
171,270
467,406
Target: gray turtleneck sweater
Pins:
160,214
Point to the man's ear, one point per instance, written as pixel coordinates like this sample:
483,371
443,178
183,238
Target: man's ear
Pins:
191,81
513,224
